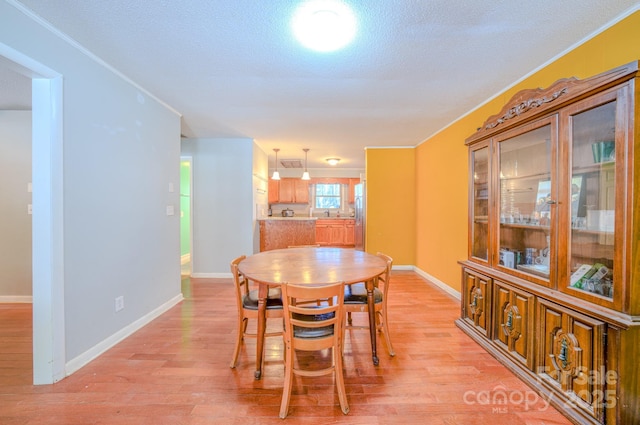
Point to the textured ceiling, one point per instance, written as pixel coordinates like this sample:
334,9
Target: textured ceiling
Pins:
232,69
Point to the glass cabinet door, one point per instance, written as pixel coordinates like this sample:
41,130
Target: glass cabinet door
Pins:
592,194
479,226
526,197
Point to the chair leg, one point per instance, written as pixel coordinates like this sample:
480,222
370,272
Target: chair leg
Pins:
349,321
338,369
288,381
343,332
385,329
242,327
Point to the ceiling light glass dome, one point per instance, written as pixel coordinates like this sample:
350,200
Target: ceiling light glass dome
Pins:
324,25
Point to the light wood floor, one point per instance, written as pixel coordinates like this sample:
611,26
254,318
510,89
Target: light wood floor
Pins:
176,371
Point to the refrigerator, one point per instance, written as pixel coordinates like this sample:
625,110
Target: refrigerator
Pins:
360,205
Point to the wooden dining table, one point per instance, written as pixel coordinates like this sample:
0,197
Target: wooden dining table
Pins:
311,265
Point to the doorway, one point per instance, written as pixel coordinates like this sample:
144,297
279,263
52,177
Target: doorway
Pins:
47,217
185,216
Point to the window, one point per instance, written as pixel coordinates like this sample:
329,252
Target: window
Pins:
327,196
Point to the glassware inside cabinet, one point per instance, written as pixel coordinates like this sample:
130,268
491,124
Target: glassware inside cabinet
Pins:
593,189
480,205
525,201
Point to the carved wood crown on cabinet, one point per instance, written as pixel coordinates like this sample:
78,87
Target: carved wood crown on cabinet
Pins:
567,322
527,104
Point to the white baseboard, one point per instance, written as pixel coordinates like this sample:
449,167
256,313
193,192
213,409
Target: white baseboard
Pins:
16,299
212,275
440,284
91,354
401,267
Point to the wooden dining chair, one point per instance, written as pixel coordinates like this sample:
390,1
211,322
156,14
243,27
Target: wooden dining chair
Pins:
355,301
247,302
313,328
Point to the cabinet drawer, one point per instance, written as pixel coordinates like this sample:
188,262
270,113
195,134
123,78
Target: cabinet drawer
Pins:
477,301
572,358
513,319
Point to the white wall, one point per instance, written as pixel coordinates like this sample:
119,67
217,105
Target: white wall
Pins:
260,192
121,151
223,203
15,225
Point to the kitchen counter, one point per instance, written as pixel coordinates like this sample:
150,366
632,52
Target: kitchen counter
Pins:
283,232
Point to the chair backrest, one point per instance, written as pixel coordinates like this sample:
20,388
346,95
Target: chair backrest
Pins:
309,326
386,276
240,283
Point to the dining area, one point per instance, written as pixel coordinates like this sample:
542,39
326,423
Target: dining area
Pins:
313,290
176,370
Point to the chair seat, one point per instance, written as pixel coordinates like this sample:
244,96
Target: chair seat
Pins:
357,294
274,299
300,332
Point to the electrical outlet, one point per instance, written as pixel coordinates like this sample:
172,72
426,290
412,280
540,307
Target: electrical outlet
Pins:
119,303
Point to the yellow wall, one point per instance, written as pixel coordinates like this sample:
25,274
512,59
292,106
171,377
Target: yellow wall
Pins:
391,210
441,166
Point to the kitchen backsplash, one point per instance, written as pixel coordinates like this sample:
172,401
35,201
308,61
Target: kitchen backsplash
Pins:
303,210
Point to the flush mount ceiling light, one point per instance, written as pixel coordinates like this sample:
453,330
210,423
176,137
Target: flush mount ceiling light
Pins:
333,161
276,174
305,175
324,25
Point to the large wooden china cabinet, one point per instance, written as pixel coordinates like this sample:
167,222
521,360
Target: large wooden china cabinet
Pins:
551,286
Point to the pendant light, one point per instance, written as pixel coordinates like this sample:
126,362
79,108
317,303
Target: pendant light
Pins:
276,174
305,175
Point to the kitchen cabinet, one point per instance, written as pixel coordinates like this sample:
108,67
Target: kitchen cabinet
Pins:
301,191
289,191
274,191
323,232
335,232
349,232
551,285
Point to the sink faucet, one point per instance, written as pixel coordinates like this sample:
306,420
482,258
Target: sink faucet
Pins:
326,213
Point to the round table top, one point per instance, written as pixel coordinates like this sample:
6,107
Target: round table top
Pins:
312,265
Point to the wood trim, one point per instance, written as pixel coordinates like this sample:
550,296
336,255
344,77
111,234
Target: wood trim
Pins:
529,104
